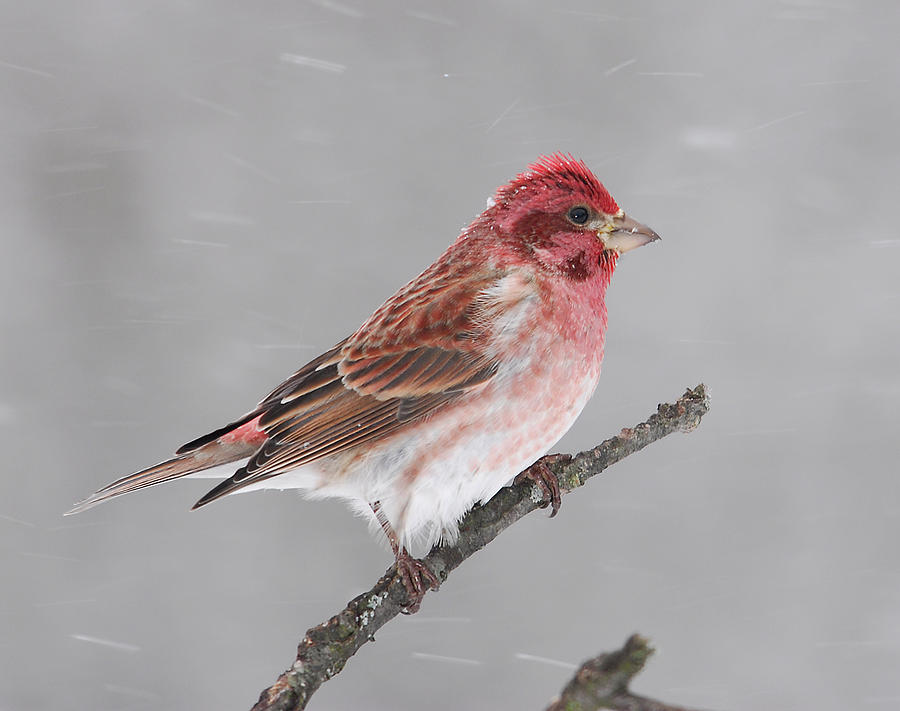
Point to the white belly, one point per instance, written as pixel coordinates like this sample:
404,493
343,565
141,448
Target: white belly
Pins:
427,478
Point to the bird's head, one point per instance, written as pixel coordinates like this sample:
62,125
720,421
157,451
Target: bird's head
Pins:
558,209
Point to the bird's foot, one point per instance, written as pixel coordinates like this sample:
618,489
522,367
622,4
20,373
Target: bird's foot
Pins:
539,473
417,578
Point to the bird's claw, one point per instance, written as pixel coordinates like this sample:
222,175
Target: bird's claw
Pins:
539,474
417,579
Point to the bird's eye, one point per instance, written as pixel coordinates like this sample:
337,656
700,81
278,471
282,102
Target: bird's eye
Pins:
578,214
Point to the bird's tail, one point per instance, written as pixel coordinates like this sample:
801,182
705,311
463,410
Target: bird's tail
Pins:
230,444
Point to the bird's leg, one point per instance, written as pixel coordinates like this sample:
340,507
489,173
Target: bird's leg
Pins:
416,577
539,473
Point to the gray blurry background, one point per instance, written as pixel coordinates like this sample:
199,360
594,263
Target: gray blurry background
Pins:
196,197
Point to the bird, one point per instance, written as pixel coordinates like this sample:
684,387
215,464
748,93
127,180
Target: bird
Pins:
458,382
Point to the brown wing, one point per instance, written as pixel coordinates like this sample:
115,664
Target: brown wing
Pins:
422,349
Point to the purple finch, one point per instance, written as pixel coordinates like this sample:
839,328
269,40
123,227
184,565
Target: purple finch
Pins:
460,380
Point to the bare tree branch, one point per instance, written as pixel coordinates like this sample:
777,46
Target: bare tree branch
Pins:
602,682
326,648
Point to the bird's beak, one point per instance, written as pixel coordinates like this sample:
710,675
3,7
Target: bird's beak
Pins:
624,234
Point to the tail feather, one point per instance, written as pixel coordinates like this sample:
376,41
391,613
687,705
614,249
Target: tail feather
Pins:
211,454
223,488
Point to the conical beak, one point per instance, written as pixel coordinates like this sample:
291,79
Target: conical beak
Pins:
627,234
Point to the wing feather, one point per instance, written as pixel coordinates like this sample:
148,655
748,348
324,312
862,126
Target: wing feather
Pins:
425,347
